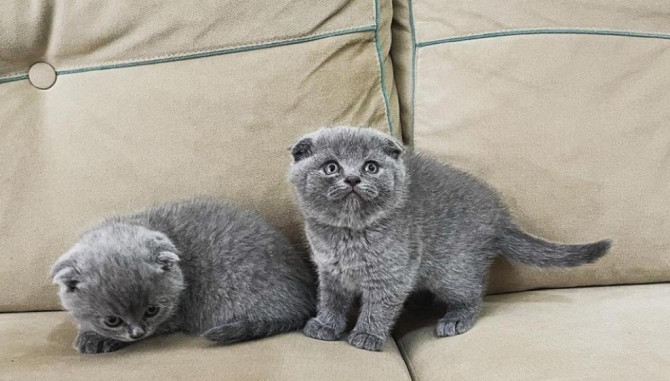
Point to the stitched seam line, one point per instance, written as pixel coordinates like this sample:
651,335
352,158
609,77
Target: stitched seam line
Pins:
205,53
520,32
382,72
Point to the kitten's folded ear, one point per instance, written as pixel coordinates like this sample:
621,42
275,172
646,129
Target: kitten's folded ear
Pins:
302,149
164,252
66,273
166,260
393,148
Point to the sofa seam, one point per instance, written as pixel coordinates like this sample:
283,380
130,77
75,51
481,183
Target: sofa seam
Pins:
538,289
406,360
382,69
548,31
174,57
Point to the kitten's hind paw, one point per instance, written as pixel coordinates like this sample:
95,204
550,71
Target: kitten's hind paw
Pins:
229,333
317,330
454,324
90,343
366,341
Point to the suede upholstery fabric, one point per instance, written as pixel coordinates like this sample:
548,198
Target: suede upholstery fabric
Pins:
598,333
569,122
38,346
114,139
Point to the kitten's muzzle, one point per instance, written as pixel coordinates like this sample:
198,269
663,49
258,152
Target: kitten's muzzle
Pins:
136,333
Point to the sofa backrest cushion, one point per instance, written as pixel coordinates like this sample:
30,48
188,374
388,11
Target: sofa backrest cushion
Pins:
157,101
563,107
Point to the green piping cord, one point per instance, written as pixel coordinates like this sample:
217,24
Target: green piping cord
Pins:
382,72
520,32
298,40
13,78
413,84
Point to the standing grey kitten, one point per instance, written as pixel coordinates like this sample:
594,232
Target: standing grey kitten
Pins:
199,266
382,223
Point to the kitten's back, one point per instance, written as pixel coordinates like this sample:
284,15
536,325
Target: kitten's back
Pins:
451,198
238,267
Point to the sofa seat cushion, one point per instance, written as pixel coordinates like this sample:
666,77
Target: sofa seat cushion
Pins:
38,346
602,333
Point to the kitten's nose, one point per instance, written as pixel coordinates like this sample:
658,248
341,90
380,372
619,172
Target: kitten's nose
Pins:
352,180
136,333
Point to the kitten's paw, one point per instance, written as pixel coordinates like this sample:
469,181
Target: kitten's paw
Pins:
90,343
366,341
317,330
453,324
229,333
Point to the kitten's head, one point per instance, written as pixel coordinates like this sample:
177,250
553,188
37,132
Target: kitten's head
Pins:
348,177
121,281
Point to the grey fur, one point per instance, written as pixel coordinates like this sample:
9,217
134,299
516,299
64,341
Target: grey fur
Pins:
414,225
212,269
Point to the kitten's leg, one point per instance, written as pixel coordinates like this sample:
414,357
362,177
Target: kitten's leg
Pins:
420,300
331,317
90,342
379,310
463,305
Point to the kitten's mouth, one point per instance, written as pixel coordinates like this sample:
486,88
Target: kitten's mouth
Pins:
351,194
344,194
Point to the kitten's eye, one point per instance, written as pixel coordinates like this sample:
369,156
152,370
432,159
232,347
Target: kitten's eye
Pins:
330,167
113,321
151,311
371,167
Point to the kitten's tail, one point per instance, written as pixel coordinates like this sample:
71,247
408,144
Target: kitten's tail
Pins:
522,247
244,330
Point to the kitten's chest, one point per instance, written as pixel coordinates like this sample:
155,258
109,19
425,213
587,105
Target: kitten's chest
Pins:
350,257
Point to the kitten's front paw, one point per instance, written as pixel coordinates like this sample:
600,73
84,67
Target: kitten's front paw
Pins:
90,342
366,341
317,330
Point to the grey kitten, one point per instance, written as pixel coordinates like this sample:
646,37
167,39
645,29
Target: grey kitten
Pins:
383,223
199,266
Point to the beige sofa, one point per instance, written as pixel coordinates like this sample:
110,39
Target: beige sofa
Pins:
562,105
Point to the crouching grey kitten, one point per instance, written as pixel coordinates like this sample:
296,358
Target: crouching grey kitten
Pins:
199,266
383,223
